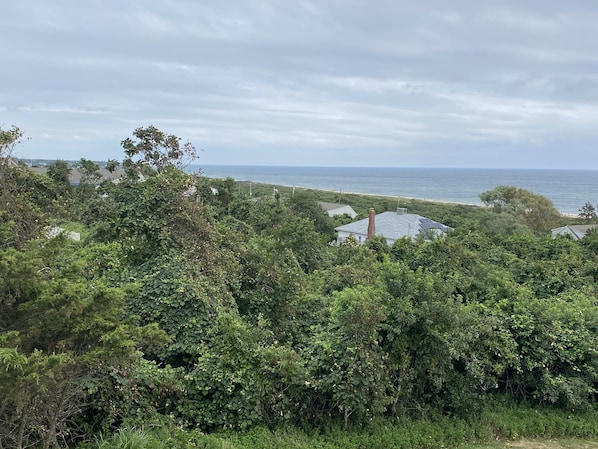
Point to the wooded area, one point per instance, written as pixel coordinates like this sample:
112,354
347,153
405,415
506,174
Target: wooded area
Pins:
191,310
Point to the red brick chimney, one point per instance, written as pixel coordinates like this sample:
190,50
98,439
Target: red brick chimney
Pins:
371,223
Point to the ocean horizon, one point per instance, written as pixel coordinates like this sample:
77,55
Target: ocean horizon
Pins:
569,190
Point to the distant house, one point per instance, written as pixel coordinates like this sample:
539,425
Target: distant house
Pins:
576,232
335,209
392,226
55,231
75,175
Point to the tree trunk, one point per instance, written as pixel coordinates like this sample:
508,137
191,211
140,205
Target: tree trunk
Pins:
395,399
347,413
21,429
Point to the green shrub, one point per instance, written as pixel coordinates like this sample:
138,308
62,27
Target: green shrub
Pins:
130,439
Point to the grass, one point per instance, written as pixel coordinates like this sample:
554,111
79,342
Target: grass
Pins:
504,425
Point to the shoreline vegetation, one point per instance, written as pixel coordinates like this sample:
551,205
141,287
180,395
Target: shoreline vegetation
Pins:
361,202
567,190
75,177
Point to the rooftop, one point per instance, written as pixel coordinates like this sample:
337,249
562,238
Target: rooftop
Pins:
395,225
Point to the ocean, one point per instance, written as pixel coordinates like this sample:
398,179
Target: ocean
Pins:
567,189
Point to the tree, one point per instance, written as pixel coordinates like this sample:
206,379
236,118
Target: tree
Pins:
155,150
24,196
432,341
60,172
9,139
536,211
556,341
270,283
90,171
291,230
503,224
112,165
152,218
587,212
347,362
305,204
61,332
183,305
89,176
240,379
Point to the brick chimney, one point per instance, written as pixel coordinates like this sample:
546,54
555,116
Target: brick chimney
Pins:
371,223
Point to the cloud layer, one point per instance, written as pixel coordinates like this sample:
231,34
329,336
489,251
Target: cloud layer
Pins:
327,82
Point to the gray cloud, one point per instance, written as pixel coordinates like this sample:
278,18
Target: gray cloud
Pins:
328,82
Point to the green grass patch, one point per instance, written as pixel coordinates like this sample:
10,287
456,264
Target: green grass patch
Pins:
501,425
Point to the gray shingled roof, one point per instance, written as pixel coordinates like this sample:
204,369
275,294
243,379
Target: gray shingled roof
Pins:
578,231
330,206
393,225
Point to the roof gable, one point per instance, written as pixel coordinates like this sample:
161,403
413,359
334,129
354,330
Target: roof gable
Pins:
334,209
393,225
577,231
330,206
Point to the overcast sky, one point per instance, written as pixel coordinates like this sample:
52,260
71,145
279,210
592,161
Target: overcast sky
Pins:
461,83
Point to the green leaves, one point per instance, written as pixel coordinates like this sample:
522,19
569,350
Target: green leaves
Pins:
183,305
346,361
155,150
242,377
62,326
216,312
535,211
556,344
9,139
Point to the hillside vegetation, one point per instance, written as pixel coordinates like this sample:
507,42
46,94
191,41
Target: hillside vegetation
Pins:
185,318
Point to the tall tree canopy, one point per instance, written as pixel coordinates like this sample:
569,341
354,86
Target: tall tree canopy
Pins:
156,150
535,211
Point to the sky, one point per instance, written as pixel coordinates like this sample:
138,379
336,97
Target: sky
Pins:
427,83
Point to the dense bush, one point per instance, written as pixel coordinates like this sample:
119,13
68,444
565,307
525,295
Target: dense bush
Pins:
210,313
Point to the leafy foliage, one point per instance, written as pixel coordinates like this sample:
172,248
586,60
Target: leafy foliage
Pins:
348,365
190,305
155,150
588,212
535,211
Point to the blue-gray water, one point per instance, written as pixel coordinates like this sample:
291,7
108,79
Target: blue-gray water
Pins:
568,189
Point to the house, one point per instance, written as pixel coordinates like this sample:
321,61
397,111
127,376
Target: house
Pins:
335,209
55,231
75,175
392,226
576,232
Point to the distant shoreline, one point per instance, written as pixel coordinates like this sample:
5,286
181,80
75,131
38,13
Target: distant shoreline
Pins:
76,176
567,189
376,195
398,198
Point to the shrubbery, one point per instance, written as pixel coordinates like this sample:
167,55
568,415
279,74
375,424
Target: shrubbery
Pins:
206,313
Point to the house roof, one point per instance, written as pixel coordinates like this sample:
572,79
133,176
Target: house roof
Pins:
55,231
577,231
395,225
75,174
337,209
331,206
